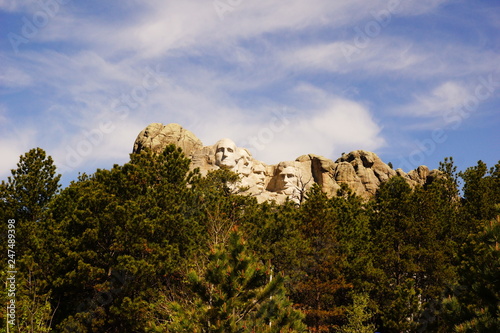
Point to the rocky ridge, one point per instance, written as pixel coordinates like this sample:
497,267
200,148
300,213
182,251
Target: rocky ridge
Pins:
361,170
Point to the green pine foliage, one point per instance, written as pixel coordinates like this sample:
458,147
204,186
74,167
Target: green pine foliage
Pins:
235,293
481,192
222,210
32,185
416,237
474,305
125,250
25,197
320,289
119,235
394,255
359,316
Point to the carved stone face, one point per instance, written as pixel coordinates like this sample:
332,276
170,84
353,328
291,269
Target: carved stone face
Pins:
288,181
260,176
245,162
226,155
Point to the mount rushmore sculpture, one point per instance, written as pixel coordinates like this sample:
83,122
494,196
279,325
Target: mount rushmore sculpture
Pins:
362,171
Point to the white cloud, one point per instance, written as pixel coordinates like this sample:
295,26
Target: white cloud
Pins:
327,56
158,26
242,70
381,55
434,109
150,29
3,115
441,99
414,8
13,145
13,77
389,56
332,125
77,73
15,5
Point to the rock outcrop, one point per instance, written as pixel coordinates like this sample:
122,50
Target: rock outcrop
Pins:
157,136
361,170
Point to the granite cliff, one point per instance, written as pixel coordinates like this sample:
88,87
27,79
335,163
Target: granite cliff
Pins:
361,170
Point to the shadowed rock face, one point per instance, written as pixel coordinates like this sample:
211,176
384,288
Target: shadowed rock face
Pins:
361,170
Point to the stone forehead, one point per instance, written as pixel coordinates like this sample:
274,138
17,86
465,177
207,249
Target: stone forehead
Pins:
286,165
289,169
259,167
244,152
225,143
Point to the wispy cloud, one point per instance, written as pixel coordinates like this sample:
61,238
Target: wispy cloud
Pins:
15,5
413,8
330,125
441,99
157,27
11,77
14,143
382,56
228,76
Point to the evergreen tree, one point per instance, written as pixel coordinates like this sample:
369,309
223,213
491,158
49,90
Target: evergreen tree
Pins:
481,192
25,198
394,254
119,236
475,304
354,238
273,233
221,208
359,316
123,250
32,185
235,293
438,233
320,288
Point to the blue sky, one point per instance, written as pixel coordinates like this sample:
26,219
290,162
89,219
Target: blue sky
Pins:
413,81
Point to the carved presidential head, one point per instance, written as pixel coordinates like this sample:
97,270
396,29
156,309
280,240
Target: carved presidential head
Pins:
259,171
226,154
288,179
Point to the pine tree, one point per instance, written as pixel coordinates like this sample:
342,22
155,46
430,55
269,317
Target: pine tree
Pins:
359,316
118,236
221,208
355,239
481,192
32,185
25,198
273,233
320,287
235,293
474,305
395,252
436,240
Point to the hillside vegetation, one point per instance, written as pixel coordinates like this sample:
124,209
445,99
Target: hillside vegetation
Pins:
150,246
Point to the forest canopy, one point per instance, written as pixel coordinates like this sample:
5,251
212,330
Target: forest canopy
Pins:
151,246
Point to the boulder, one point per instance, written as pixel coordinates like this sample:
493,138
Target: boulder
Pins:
158,136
